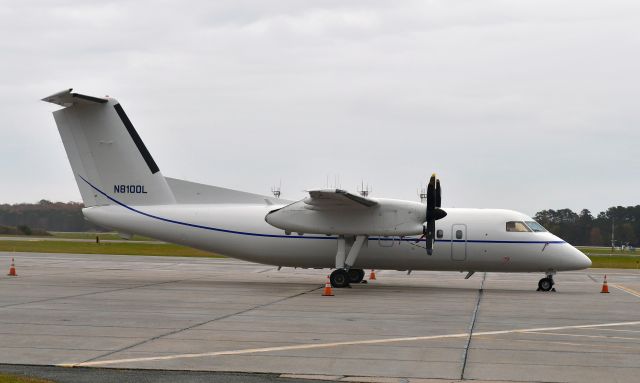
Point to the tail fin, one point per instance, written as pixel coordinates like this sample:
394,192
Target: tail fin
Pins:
109,160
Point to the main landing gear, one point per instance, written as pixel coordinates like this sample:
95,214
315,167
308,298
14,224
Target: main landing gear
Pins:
546,284
356,275
343,278
344,275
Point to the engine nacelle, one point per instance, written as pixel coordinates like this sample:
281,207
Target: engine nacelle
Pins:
387,218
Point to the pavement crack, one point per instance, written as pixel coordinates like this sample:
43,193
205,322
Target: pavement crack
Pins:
200,324
465,355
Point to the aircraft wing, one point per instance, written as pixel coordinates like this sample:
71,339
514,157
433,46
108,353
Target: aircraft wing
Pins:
335,198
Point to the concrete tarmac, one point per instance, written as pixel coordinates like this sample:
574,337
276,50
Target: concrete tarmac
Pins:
224,315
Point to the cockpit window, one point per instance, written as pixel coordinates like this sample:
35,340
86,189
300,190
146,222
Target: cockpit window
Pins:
535,226
517,226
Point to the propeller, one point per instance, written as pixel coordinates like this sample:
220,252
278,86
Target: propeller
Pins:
434,212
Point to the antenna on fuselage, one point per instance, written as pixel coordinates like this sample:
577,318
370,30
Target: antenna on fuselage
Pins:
336,182
364,190
276,190
423,195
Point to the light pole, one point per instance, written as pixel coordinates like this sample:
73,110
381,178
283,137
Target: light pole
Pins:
613,241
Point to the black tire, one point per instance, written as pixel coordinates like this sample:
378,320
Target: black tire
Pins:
356,275
545,284
339,278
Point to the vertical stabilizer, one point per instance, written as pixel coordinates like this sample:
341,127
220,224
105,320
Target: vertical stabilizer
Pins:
108,158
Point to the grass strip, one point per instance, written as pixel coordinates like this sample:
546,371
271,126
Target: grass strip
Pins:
606,251
126,248
6,378
615,261
92,235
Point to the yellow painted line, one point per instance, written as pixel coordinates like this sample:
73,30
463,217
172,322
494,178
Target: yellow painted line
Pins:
335,344
627,290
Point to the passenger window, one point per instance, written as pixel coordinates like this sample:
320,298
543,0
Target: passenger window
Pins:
439,234
517,226
458,234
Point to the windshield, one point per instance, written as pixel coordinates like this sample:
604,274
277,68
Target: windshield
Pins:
535,226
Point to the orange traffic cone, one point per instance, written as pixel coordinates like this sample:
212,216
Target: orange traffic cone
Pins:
12,269
328,291
605,286
372,276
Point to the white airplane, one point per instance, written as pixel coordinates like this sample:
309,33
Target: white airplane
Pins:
123,189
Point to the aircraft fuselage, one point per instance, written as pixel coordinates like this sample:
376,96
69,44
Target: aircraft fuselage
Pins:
240,231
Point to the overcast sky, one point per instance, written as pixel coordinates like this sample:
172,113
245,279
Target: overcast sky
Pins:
524,105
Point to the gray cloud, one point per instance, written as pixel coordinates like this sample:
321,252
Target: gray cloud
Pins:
524,105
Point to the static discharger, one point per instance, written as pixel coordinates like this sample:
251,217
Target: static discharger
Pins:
12,269
605,286
328,291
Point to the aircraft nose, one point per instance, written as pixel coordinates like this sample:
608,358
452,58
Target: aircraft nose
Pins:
580,260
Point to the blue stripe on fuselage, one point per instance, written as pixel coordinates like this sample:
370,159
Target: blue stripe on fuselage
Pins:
290,236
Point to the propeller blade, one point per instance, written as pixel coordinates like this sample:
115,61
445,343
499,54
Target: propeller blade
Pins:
430,235
434,213
431,193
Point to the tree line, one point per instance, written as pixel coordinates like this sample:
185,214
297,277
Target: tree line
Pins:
45,215
581,228
585,229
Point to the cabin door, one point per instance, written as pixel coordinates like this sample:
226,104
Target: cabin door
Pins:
458,242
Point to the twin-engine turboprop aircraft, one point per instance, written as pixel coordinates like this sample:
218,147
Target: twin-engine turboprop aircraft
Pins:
123,189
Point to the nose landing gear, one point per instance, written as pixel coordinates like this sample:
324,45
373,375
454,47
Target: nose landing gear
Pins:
546,284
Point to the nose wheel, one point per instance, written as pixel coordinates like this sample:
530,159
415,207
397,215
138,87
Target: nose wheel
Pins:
546,284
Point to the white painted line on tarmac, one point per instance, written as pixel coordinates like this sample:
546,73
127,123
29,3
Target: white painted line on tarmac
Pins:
617,330
582,335
627,290
335,344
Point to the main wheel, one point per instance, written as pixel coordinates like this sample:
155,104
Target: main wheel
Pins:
356,275
339,278
545,284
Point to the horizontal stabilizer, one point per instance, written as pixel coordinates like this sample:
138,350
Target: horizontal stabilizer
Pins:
67,98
